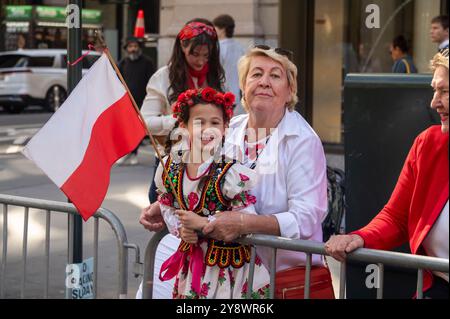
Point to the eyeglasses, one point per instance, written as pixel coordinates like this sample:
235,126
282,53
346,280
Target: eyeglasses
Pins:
287,53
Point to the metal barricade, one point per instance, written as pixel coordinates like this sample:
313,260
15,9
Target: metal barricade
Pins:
370,256
50,207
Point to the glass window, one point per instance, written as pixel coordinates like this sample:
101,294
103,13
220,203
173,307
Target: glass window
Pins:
41,61
13,60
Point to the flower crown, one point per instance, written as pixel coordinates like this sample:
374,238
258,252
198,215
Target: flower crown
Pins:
208,95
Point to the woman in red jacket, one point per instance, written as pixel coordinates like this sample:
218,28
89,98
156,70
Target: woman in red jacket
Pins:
418,209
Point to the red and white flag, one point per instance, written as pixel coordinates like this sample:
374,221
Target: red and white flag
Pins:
95,126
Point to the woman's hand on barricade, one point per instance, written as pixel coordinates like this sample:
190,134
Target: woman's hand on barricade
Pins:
191,220
188,235
151,218
339,246
227,226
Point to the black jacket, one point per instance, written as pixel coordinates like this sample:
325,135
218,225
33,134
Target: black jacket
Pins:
136,74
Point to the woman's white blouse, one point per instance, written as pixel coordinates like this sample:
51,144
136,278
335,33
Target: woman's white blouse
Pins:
291,184
156,109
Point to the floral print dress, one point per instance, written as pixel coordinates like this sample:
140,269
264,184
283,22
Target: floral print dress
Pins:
210,269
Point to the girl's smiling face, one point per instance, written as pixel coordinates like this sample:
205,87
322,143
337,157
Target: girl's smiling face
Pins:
206,127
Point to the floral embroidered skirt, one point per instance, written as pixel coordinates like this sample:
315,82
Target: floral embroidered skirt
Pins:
223,283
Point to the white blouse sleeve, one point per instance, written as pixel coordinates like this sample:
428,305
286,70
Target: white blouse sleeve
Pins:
237,182
155,108
171,219
306,190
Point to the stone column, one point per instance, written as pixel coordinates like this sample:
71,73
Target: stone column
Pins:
328,60
424,49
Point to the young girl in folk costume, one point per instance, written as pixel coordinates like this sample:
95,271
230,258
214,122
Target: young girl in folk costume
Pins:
195,63
206,268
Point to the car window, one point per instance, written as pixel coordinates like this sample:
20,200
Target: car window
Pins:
13,60
41,61
18,60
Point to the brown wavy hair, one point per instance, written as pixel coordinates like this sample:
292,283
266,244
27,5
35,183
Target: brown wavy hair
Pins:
178,67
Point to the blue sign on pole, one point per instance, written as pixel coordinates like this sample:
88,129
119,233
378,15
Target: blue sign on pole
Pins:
80,279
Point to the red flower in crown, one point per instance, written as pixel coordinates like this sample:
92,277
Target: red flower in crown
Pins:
229,99
208,94
229,113
190,93
176,109
218,99
182,97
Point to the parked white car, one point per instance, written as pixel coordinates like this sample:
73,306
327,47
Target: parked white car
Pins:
36,77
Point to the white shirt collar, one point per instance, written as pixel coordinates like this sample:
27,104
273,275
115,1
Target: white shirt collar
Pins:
443,45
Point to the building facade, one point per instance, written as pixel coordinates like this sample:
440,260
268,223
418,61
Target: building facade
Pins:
329,38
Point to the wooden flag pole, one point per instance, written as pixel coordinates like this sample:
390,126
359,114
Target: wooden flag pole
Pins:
150,135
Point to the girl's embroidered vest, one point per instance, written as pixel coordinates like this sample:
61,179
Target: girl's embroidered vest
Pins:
211,200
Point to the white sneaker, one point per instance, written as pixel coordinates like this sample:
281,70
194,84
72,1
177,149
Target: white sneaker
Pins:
133,160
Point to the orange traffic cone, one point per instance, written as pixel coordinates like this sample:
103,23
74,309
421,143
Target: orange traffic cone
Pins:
139,29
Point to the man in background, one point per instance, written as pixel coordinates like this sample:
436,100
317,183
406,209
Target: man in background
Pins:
439,31
230,52
403,62
136,69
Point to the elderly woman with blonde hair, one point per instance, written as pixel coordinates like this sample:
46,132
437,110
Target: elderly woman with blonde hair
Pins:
288,159
418,209
287,155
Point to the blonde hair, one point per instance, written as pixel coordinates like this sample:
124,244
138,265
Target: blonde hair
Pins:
440,59
289,67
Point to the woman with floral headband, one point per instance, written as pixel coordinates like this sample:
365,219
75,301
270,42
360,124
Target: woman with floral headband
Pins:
195,63
203,186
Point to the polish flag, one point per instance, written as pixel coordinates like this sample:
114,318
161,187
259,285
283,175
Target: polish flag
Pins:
95,126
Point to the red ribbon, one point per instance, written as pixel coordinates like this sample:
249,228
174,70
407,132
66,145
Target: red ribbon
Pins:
175,263
90,49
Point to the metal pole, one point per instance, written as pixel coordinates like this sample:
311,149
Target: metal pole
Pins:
74,26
